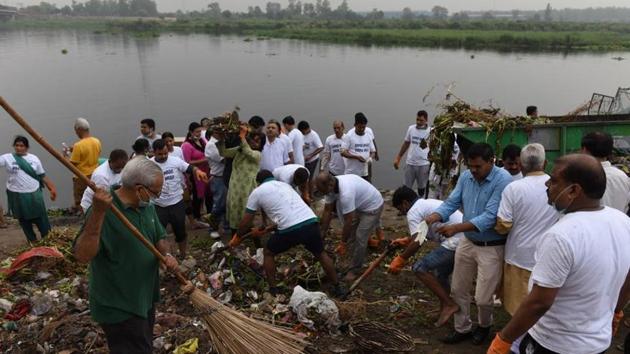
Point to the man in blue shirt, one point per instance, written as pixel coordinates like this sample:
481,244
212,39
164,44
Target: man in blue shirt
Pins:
478,193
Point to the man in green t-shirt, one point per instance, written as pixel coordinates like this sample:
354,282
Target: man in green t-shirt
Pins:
124,277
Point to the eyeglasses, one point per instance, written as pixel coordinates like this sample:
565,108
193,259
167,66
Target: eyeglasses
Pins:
152,194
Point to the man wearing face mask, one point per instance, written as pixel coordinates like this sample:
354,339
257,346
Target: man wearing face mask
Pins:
417,169
124,277
580,282
480,252
170,206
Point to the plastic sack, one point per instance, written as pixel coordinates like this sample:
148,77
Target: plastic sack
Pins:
25,258
314,307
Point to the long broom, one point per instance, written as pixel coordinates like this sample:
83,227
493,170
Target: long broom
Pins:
230,330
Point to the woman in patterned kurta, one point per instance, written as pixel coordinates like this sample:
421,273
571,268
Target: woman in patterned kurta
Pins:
244,169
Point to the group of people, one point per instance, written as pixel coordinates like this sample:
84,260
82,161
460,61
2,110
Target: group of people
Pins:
555,249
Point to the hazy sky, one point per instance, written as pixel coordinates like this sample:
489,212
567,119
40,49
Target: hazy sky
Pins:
366,5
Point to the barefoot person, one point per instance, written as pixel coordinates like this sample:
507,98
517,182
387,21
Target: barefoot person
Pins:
361,206
26,179
296,225
440,261
581,279
123,276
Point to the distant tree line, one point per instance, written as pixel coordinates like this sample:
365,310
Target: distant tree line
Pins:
138,8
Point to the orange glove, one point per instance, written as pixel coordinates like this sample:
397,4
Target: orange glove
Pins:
235,241
397,162
341,249
244,130
402,242
397,265
616,322
256,232
374,241
499,346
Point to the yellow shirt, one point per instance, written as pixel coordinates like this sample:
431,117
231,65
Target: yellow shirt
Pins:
85,154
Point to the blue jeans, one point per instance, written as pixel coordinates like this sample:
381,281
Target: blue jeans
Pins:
441,262
219,195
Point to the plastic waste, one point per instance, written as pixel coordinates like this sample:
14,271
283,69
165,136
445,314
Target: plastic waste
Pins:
189,347
317,305
41,304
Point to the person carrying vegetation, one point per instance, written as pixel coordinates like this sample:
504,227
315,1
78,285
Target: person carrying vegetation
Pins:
170,206
511,159
359,205
440,261
245,165
123,273
581,280
296,225
600,145
418,165
84,156
478,193
26,179
106,175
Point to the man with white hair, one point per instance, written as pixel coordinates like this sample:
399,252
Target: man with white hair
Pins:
124,277
524,215
85,154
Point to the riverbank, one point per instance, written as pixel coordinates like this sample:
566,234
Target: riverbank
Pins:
477,35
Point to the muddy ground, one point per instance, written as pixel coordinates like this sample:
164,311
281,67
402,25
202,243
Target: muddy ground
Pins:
67,328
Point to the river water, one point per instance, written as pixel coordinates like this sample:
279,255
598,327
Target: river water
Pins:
116,80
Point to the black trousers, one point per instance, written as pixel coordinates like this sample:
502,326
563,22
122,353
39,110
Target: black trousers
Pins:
132,336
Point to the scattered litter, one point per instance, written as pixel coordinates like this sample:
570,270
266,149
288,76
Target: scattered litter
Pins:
189,347
314,308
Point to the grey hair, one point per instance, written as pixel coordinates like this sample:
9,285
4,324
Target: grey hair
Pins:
533,157
81,124
140,170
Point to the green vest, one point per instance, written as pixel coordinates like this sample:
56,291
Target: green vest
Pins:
124,278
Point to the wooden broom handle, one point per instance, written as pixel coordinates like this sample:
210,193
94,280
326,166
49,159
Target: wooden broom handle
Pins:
56,154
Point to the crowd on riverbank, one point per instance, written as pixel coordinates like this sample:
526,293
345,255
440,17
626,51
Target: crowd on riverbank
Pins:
529,238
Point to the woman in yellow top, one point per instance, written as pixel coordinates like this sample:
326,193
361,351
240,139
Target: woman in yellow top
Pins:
85,154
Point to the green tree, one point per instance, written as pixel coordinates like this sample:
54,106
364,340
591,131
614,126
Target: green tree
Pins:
375,14
274,10
548,13
440,12
309,10
214,9
407,14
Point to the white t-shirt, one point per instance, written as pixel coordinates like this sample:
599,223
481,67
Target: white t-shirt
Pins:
19,181
355,193
150,140
336,162
312,142
274,155
285,173
586,255
287,141
417,156
425,207
215,160
524,204
517,177
281,203
172,190
617,193
361,145
177,152
297,142
104,177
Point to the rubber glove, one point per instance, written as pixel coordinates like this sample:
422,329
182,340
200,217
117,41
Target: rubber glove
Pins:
341,249
499,346
402,242
374,241
397,265
235,241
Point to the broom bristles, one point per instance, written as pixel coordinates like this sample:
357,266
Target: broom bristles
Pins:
234,333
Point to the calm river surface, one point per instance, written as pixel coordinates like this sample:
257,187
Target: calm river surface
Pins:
114,81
